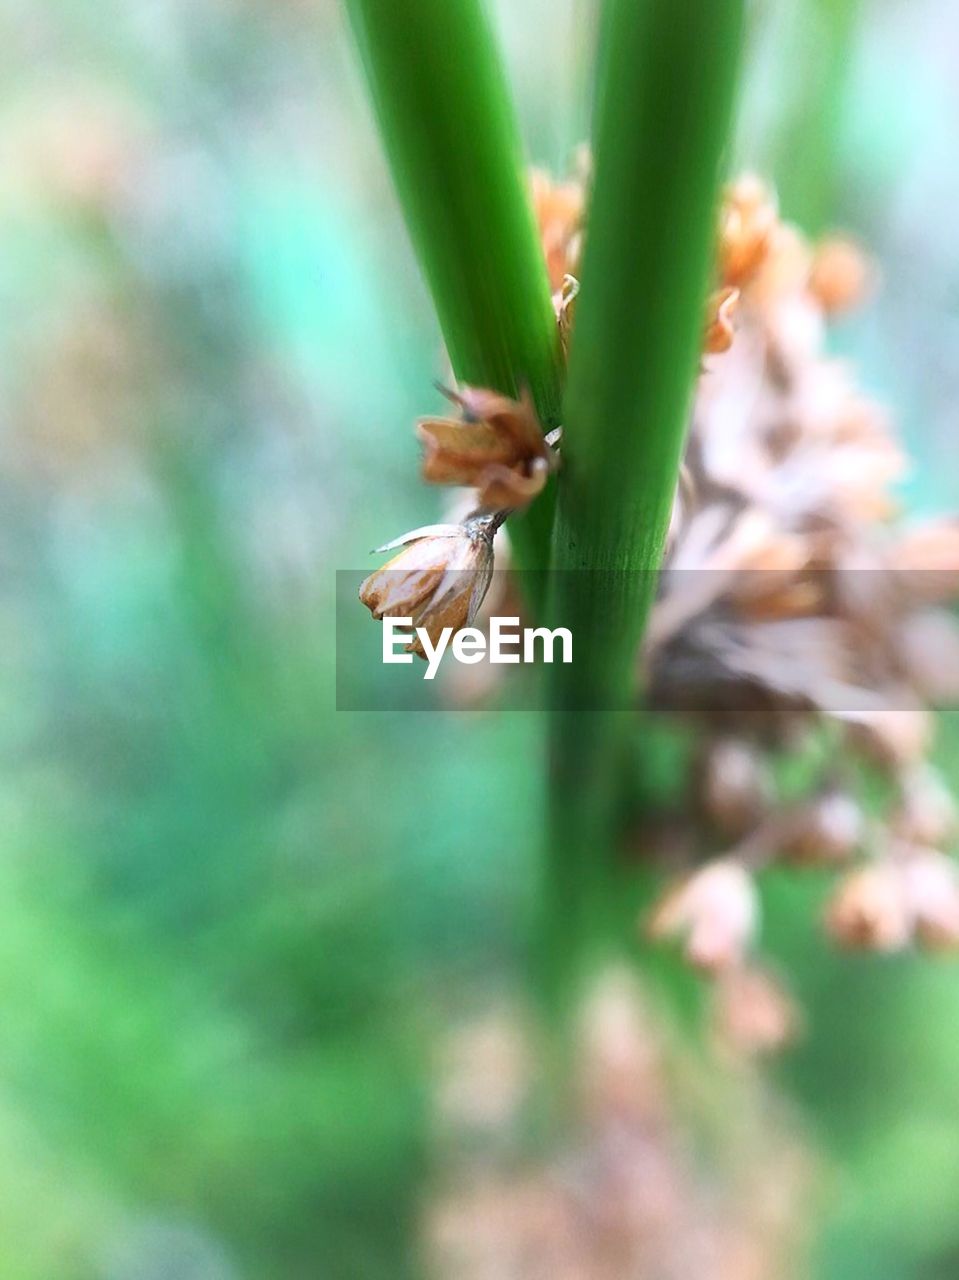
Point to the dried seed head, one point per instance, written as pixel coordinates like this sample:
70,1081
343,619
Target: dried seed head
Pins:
869,910
753,1013
498,447
715,910
438,579
840,275
808,604
720,314
623,1191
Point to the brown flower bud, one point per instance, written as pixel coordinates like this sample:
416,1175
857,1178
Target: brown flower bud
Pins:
931,887
869,910
747,222
498,447
735,785
753,1013
716,910
720,313
438,579
839,277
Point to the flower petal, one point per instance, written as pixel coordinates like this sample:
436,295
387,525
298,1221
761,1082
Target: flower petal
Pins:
457,452
424,531
509,488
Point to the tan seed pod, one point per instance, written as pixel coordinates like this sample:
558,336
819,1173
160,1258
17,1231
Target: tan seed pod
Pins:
715,911
753,1013
869,910
438,579
931,887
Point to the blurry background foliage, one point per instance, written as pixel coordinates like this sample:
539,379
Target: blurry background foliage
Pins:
231,918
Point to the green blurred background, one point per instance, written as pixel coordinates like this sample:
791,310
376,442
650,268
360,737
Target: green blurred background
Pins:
233,919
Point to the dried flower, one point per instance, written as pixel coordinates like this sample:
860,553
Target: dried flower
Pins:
840,275
753,1013
912,893
930,883
779,285
716,910
869,910
498,447
559,214
720,313
747,224
438,579
629,1189
790,600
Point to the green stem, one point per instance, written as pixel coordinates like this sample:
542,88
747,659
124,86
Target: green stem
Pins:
664,105
453,145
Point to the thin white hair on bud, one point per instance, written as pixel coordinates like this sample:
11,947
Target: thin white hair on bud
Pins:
425,531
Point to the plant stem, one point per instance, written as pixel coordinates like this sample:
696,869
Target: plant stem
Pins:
664,105
453,145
